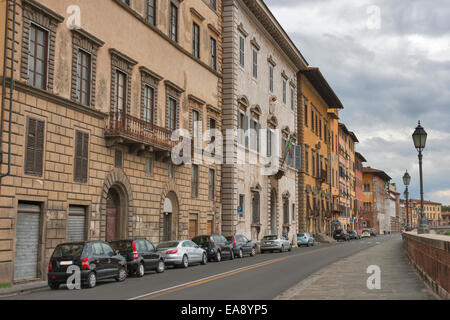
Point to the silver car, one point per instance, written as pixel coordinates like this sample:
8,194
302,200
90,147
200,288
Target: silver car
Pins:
182,253
275,243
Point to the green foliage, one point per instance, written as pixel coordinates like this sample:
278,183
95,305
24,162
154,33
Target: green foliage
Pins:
5,286
445,208
447,233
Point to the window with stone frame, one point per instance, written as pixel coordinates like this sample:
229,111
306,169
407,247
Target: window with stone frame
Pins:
84,66
121,70
173,22
213,53
149,95
38,45
194,181
81,162
151,12
34,147
173,96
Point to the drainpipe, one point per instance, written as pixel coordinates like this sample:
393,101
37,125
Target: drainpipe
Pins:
11,86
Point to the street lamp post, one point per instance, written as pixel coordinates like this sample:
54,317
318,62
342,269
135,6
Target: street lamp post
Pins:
407,181
420,139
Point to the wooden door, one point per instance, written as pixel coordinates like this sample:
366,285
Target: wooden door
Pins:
193,227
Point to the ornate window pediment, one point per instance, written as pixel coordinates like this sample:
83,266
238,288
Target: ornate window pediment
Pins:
272,122
256,111
243,102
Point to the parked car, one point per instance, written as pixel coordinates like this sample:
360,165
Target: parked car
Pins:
242,246
354,235
305,239
141,256
97,260
365,234
216,246
275,243
341,235
182,253
372,233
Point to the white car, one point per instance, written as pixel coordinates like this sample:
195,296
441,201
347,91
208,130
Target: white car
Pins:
275,243
365,234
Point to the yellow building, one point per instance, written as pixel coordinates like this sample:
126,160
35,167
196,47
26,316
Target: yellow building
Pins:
432,210
316,100
333,122
347,196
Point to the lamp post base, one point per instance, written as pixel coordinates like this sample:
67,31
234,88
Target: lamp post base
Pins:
423,229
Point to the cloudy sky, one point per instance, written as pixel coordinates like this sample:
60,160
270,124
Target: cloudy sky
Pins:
389,63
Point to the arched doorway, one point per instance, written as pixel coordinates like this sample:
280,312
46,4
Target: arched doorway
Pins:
170,218
273,212
113,215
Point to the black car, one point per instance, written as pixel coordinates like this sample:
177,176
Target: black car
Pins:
242,246
97,260
216,246
341,235
141,256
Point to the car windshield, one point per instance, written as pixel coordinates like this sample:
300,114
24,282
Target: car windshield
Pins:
121,245
170,244
301,235
270,238
72,251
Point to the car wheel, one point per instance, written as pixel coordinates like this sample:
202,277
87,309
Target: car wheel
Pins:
308,245
54,286
204,259
253,252
241,254
161,267
290,248
185,262
218,256
231,254
92,280
122,275
140,272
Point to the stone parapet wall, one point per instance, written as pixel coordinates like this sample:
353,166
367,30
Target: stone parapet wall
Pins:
430,254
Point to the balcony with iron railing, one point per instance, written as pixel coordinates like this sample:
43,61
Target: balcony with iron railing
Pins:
138,134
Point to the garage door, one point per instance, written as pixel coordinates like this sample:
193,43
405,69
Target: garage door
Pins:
76,225
27,241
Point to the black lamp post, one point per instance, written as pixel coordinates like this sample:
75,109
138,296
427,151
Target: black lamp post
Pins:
420,139
407,181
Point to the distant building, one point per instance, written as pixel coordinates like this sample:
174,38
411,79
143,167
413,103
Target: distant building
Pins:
375,187
432,211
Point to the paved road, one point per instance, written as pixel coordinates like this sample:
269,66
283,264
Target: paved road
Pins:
263,277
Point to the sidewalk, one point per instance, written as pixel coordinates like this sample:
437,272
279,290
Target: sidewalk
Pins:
347,278
23,288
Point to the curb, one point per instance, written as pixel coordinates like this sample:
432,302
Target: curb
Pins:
22,289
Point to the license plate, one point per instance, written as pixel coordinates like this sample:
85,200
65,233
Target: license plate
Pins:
66,263
268,242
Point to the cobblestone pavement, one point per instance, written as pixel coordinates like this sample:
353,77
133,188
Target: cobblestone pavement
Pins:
347,278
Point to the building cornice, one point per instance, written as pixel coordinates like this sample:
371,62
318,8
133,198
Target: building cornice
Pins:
47,96
268,21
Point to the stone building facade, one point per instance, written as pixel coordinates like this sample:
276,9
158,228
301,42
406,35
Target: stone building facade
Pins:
259,92
315,101
93,107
